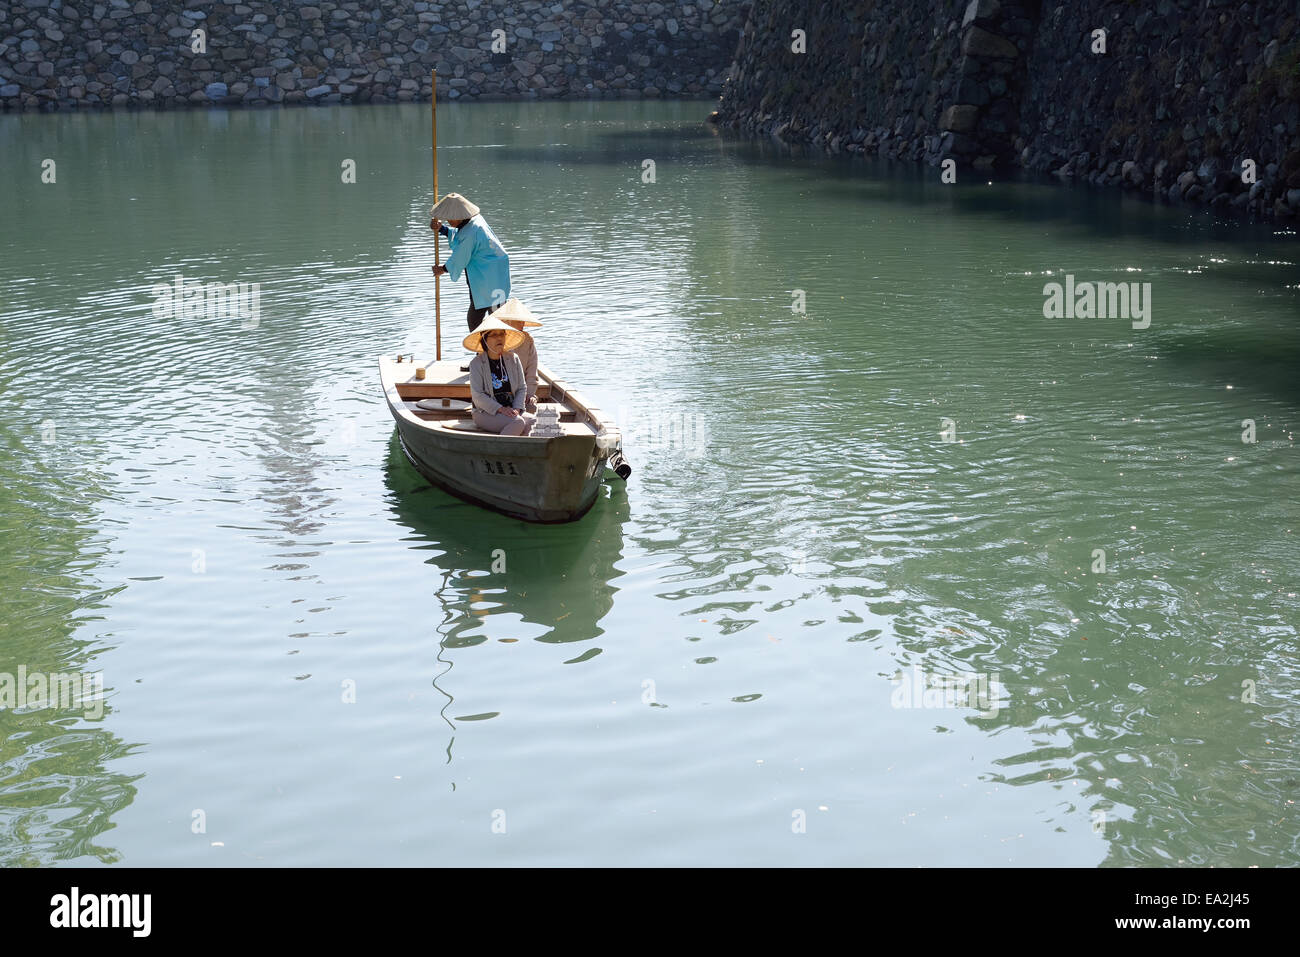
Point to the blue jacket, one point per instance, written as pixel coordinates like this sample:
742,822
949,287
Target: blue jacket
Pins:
476,251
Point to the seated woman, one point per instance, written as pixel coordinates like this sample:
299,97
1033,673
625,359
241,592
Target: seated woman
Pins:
496,379
516,315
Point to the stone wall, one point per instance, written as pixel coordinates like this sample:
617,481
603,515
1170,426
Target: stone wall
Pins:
57,55
1181,94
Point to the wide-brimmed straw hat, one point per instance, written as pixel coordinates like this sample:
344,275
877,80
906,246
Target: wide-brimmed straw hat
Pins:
453,206
512,310
514,338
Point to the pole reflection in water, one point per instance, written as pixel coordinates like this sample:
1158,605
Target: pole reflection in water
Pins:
553,583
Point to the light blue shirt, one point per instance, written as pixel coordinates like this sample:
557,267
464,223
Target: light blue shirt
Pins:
476,251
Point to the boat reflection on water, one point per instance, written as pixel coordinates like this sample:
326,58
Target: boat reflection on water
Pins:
556,578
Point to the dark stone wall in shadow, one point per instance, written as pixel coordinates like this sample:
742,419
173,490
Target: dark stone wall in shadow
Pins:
1193,101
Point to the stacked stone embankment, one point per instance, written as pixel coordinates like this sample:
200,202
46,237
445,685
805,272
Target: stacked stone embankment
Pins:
77,55
1187,100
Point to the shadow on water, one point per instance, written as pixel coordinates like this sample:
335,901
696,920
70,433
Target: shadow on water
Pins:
1240,355
557,577
614,148
1023,197
1257,339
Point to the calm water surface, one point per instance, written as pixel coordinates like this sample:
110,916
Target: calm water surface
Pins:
309,658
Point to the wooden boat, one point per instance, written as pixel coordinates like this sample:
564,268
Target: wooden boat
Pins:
534,478
537,478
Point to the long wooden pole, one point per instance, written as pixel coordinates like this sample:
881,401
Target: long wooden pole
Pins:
437,236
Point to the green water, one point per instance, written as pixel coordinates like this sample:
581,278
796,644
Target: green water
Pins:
310,657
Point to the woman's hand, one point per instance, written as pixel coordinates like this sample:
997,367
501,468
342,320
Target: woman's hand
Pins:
439,270
436,224
510,411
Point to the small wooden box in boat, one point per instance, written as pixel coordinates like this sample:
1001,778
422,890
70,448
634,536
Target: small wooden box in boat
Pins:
534,478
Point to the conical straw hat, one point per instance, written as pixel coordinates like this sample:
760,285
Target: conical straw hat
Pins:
512,310
514,338
453,206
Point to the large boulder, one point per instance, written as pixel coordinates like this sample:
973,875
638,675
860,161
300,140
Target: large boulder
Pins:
979,42
960,118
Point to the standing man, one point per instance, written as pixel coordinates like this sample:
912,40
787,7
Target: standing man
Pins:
476,251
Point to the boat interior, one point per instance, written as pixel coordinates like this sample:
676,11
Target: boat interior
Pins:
443,396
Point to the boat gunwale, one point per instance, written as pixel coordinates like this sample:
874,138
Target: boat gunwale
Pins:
591,416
